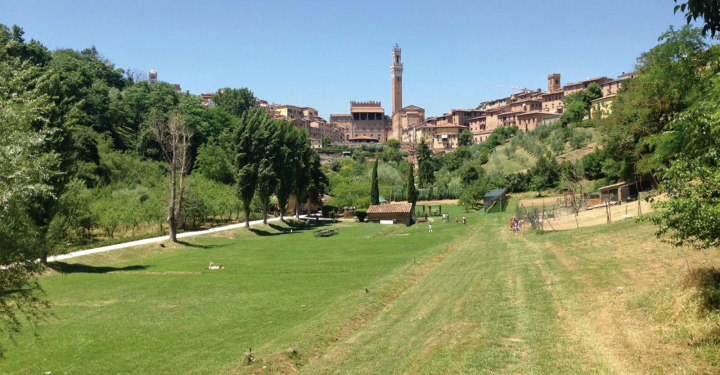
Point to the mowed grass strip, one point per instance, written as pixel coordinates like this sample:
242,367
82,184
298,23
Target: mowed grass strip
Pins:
485,308
158,310
610,299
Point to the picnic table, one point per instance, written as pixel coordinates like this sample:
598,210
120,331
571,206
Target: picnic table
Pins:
327,232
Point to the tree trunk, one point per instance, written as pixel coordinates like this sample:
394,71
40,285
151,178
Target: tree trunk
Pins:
247,214
265,201
172,220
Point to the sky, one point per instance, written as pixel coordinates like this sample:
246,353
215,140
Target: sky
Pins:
323,54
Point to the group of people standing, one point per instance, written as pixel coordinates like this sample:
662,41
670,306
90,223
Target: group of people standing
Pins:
446,219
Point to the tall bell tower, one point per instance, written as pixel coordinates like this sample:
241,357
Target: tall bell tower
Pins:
396,70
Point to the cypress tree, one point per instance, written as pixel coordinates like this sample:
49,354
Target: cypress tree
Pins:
374,189
411,192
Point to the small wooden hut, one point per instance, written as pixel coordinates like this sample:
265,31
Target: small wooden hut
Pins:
398,212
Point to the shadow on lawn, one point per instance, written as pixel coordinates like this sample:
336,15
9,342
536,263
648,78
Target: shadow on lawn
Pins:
66,268
297,227
198,246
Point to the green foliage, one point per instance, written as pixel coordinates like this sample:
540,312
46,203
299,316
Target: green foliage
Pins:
361,214
544,174
639,134
214,163
328,210
374,189
234,101
426,172
705,9
393,143
411,191
465,138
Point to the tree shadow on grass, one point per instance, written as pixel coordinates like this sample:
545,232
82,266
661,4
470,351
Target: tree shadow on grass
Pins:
67,268
196,245
295,226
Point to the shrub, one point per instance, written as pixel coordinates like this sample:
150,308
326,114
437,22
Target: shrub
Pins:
361,214
328,209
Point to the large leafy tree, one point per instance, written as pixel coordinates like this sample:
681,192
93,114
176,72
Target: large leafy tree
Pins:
708,10
291,155
691,182
268,144
465,138
27,166
247,156
234,101
638,134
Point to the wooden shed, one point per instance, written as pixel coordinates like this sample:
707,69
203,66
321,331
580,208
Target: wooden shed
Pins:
398,212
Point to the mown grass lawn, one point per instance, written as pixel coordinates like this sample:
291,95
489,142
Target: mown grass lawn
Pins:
464,299
158,310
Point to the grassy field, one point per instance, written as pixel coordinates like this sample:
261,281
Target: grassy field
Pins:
464,299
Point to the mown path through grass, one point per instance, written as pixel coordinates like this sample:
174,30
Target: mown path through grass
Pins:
489,306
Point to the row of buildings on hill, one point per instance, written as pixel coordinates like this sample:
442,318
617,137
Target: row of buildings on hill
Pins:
367,122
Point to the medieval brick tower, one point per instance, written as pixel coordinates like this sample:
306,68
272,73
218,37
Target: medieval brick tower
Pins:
396,70
553,82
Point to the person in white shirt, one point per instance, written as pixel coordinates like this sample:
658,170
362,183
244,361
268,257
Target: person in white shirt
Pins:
214,267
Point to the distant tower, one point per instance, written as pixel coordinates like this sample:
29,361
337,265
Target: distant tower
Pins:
152,76
396,70
553,82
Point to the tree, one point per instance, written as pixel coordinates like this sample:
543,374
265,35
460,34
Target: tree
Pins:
544,174
267,143
411,191
302,176
290,154
326,141
426,172
247,156
374,190
234,101
708,10
393,143
212,162
174,137
465,138
639,134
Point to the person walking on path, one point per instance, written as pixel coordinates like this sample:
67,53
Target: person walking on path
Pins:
429,228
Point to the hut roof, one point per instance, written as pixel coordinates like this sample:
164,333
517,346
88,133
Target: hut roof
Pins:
494,194
390,208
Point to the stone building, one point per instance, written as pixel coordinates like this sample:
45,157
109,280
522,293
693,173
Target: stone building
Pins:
366,119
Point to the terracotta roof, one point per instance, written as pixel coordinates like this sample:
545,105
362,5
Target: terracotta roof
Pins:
390,208
362,137
606,97
451,126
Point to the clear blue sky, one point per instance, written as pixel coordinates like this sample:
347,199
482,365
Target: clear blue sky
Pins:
323,54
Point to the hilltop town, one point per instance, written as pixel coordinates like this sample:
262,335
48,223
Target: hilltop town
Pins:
368,122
